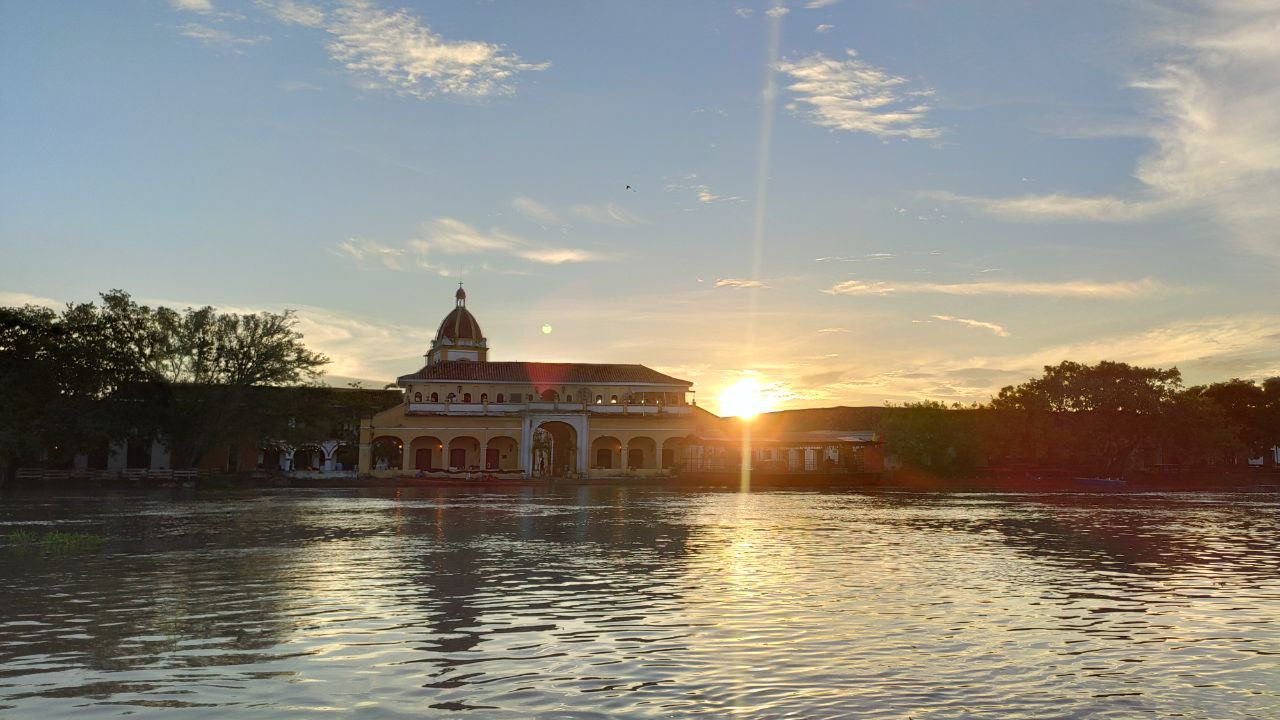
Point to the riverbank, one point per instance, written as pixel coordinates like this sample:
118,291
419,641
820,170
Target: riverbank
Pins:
1250,480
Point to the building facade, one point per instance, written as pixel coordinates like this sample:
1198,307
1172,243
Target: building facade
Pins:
463,413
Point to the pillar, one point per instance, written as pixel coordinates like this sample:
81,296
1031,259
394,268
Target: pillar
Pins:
622,461
484,455
406,450
365,457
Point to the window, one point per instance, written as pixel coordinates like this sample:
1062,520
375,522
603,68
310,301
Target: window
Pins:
435,397
417,397
613,399
599,399
451,397
466,397
550,395
484,397
499,398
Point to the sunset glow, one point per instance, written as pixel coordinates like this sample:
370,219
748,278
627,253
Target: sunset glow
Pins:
745,398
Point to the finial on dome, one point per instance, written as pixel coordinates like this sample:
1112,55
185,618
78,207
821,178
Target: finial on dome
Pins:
461,295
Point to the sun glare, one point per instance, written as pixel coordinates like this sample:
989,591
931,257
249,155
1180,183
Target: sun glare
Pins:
744,399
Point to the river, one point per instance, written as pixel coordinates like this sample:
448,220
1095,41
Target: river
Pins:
607,602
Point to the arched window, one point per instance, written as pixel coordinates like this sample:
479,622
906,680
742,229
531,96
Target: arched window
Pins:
599,399
466,397
613,399
550,395
417,397
435,397
499,398
484,397
450,397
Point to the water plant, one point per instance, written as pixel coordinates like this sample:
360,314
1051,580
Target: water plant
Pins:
55,541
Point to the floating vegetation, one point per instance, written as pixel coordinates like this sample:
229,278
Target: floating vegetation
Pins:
54,541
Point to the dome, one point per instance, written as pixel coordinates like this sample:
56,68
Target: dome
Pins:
459,324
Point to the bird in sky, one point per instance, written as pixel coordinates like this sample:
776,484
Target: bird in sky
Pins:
630,188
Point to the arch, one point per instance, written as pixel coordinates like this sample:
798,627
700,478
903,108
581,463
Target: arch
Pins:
466,397
605,453
554,450
642,453
500,401
435,397
417,397
613,399
599,399
550,395
484,397
311,457
502,453
451,397
426,453
464,453
672,450
387,452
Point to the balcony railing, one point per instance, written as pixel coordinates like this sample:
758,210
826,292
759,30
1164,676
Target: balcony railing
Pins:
447,408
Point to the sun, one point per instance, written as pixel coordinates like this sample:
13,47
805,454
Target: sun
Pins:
744,399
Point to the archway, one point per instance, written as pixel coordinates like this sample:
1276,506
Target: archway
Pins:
387,453
308,457
604,452
641,453
555,449
502,453
427,452
464,453
672,450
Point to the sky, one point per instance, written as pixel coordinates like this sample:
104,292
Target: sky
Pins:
845,202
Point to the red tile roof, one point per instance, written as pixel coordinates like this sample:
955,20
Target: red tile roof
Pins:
537,373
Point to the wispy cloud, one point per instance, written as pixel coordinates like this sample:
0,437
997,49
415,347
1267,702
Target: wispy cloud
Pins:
1056,206
824,28
777,11
390,257
534,209
397,51
701,191
740,283
294,12
1215,130
871,257
198,6
853,95
454,237
607,214
815,4
1072,288
833,330
219,38
981,325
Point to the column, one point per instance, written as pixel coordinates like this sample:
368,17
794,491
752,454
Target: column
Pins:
407,465
622,462
365,458
484,454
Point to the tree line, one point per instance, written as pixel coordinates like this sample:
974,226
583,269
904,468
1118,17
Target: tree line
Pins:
1108,418
74,380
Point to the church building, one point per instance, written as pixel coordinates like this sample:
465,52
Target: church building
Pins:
463,413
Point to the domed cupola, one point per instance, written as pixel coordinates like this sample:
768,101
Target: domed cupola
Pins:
459,336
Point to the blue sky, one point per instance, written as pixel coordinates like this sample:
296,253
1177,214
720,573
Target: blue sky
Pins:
852,202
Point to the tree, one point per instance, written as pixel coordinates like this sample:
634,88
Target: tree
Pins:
1104,416
930,437
94,373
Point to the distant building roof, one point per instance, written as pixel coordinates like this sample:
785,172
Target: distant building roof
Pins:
540,373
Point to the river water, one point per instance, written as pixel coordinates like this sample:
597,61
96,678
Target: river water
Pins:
631,603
